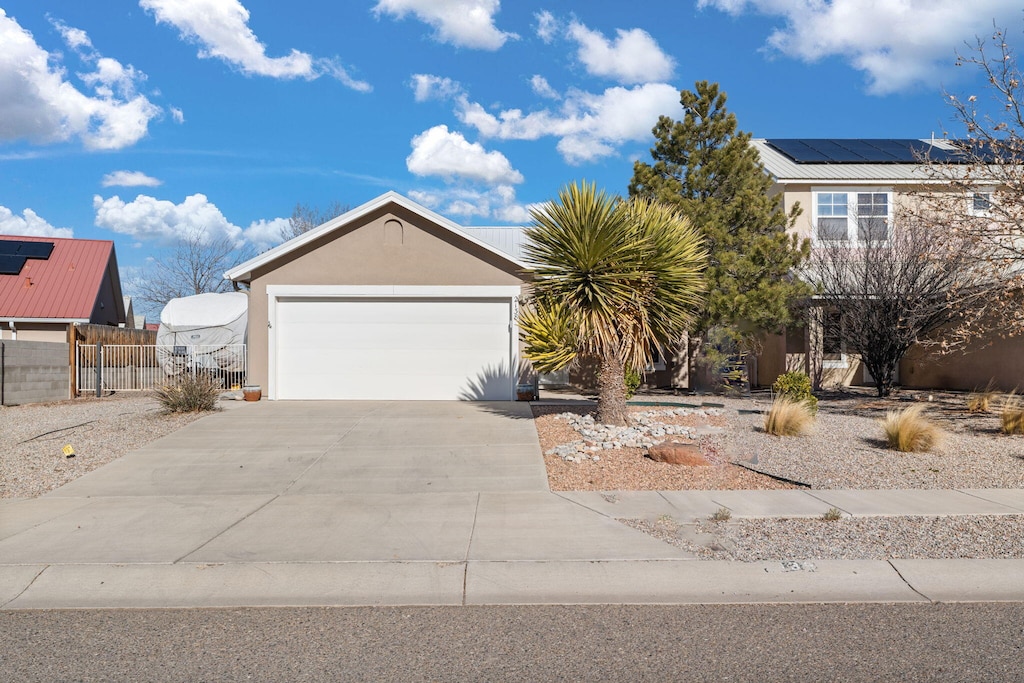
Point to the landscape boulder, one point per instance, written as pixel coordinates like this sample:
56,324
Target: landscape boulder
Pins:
678,453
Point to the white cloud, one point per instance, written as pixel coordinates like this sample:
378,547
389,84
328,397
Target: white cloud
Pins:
429,87
29,224
541,86
264,234
896,44
130,179
221,27
149,219
463,23
633,57
497,203
38,103
75,38
440,152
547,26
178,115
588,126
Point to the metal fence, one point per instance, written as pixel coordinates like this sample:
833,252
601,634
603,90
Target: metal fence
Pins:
136,367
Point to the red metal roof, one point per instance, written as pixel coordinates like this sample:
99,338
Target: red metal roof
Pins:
64,286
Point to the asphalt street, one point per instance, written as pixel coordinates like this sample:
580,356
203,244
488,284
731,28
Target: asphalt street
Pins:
816,642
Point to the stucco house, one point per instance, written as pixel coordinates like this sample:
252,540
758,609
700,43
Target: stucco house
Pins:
849,188
49,284
387,301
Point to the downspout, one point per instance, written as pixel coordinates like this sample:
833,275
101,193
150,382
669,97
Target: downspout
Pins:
14,330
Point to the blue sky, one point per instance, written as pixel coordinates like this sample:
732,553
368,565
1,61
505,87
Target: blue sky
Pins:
142,120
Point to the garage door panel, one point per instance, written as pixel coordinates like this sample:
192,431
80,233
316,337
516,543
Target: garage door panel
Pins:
324,338
393,349
375,311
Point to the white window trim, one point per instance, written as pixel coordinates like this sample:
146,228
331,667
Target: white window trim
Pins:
851,210
987,190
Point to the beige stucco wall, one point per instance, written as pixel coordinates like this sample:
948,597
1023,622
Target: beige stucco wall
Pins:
391,246
37,332
1000,364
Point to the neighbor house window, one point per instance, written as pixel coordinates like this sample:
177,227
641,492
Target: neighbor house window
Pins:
980,203
852,216
833,350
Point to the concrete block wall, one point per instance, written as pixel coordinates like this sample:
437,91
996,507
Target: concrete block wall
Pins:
34,372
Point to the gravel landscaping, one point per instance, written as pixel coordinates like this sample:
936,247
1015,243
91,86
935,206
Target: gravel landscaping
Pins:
860,538
99,430
843,450
622,467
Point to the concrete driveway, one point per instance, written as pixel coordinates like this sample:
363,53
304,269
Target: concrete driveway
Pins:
350,503
334,447
404,493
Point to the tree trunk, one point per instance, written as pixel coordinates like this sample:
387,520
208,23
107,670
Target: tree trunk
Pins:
695,372
611,392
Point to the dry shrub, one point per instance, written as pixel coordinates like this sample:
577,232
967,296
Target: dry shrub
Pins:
1011,417
981,401
908,431
787,417
189,393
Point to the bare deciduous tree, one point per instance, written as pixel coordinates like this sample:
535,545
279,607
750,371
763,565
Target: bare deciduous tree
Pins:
195,265
926,284
305,217
983,181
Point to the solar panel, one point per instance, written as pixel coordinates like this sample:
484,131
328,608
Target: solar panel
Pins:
798,151
867,151
39,250
10,264
14,253
897,151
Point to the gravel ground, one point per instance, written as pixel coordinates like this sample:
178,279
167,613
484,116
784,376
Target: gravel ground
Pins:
860,538
98,429
845,448
622,469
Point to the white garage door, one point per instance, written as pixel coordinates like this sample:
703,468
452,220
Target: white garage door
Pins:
393,348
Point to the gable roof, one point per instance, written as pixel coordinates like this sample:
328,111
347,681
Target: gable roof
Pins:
243,271
859,159
63,287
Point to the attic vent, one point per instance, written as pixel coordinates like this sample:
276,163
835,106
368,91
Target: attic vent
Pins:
394,232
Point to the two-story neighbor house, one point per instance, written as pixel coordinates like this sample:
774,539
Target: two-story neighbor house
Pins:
850,190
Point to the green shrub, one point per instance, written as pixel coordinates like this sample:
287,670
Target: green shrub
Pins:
787,417
909,431
796,386
632,382
189,393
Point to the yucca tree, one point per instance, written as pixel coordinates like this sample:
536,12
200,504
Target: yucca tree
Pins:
614,280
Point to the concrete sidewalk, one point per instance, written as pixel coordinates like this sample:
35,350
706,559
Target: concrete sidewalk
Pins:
355,503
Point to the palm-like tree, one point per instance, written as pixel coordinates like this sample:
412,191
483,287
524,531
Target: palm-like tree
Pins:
614,280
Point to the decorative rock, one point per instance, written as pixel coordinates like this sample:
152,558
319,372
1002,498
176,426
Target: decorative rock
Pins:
677,453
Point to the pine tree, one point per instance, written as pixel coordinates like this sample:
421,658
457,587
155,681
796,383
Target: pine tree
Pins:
707,168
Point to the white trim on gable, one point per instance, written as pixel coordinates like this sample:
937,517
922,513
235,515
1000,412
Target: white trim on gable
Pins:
243,271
